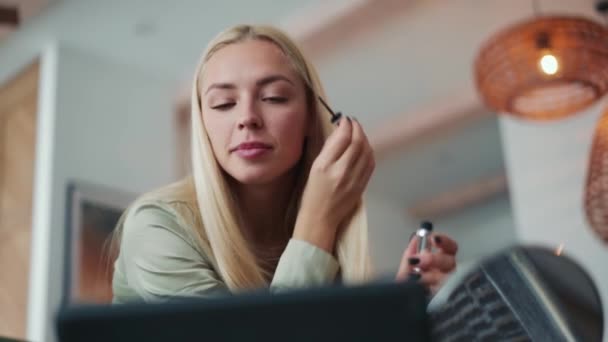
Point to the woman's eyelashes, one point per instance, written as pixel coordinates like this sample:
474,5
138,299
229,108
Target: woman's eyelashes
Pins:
223,106
274,99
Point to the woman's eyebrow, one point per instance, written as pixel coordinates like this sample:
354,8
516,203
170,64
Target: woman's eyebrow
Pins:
272,78
261,82
220,86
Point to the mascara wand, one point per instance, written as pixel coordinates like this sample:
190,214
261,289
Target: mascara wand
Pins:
334,116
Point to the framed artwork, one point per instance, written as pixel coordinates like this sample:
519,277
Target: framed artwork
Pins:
92,213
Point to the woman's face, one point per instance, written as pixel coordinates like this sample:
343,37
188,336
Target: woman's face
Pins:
254,109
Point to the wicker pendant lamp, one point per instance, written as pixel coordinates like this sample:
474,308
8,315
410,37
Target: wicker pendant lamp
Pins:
596,190
544,68
596,186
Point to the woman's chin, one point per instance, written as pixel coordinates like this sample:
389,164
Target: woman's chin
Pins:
254,177
259,173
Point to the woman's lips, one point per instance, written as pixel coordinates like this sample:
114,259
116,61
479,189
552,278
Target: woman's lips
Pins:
252,153
251,150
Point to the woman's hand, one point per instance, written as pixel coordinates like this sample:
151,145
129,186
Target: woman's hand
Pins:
434,266
337,180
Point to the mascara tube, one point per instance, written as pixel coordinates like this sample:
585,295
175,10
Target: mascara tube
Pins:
423,234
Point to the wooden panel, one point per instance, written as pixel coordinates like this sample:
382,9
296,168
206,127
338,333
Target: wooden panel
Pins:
17,164
14,266
19,89
17,144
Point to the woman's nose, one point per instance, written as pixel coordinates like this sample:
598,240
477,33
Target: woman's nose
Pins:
250,118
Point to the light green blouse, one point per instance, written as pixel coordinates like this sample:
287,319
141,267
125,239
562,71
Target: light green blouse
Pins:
159,259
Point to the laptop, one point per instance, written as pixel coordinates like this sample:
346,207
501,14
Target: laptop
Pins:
371,312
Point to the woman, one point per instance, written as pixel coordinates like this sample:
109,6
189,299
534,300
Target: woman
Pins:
274,199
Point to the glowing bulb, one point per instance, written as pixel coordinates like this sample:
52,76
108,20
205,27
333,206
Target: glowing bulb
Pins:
559,249
548,64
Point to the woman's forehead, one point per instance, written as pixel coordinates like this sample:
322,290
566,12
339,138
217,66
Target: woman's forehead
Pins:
247,61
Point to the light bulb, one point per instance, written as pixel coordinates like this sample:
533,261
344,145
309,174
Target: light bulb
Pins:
559,249
549,64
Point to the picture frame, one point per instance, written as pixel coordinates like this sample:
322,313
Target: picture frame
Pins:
92,213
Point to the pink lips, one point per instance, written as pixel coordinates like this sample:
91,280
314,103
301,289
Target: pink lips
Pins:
251,150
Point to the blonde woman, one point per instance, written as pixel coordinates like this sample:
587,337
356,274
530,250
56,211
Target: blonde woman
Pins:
275,196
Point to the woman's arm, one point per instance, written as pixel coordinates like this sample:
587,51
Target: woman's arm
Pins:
158,261
337,179
303,264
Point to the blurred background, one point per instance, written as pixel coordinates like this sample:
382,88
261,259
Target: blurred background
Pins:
94,100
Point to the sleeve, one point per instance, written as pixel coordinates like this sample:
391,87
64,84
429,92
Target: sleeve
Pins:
303,265
159,262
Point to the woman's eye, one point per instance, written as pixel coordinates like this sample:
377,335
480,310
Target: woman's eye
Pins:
223,106
275,99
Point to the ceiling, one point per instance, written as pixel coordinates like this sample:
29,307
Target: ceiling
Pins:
420,56
161,36
27,9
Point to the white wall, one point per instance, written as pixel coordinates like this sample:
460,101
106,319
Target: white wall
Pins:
480,231
109,124
547,165
389,232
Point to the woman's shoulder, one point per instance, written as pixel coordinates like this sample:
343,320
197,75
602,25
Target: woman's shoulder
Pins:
169,210
159,208
161,203
170,215
177,199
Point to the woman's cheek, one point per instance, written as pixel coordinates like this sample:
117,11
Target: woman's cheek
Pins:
292,132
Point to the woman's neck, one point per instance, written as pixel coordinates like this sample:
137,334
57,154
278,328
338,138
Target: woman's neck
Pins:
263,208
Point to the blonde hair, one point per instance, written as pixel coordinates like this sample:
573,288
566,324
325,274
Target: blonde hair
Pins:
215,220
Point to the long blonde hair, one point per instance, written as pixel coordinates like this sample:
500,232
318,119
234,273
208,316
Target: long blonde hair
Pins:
215,220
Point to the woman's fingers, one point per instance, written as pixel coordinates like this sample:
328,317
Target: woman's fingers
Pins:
356,163
368,163
434,266
357,150
338,142
359,159
367,175
432,278
440,261
406,265
425,261
445,243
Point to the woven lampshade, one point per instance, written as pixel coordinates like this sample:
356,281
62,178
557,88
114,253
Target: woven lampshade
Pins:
596,190
510,80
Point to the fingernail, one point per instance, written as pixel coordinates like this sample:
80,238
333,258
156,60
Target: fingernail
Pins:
414,261
437,239
337,118
412,236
